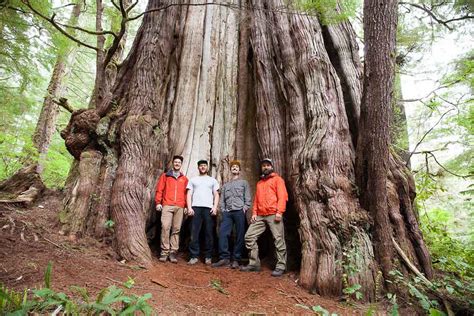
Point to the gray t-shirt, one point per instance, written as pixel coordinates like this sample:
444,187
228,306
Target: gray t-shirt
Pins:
203,188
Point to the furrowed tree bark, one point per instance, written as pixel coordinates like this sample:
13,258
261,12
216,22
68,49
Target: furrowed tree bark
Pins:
211,82
300,99
387,189
77,216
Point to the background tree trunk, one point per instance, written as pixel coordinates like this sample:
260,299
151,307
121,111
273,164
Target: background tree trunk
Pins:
46,125
387,188
29,177
212,82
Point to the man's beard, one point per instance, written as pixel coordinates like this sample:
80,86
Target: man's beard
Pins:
201,173
266,172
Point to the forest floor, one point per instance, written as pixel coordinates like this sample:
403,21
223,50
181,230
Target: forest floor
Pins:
30,238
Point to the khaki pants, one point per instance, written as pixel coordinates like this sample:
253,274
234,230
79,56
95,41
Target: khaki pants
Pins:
171,219
278,232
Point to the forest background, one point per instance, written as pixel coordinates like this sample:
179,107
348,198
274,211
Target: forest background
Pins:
435,81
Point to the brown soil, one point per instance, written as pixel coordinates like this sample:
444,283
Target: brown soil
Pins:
29,239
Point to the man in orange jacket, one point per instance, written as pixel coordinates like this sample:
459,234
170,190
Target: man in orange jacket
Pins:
170,200
268,208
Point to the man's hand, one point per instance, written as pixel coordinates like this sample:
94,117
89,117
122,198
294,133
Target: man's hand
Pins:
214,211
278,217
159,207
254,219
190,211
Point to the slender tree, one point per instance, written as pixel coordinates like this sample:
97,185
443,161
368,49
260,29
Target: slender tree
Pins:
46,125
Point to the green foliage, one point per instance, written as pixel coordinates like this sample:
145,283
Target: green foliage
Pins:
418,290
110,300
109,224
330,11
57,163
317,309
47,275
350,263
448,253
392,298
217,285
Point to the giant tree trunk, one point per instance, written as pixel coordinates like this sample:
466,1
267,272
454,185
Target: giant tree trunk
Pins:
212,82
89,184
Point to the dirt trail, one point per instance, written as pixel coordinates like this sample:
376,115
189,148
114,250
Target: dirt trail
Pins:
29,239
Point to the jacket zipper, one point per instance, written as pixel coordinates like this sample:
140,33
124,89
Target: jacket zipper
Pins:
176,189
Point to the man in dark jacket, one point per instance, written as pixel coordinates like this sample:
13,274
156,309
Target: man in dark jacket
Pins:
235,201
170,200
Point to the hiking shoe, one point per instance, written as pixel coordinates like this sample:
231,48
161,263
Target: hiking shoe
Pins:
221,263
249,268
163,258
235,265
193,261
278,272
208,261
173,258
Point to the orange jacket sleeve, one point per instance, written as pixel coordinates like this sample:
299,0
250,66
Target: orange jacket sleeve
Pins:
282,195
160,189
185,193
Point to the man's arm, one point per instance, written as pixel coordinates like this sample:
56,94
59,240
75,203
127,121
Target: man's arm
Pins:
247,196
160,188
216,203
185,193
189,195
215,191
282,196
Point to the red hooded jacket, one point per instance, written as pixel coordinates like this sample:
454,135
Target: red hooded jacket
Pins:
171,191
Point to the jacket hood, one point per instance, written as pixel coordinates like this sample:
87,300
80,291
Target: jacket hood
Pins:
170,173
271,175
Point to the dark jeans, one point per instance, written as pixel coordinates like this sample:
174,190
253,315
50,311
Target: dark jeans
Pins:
201,215
228,219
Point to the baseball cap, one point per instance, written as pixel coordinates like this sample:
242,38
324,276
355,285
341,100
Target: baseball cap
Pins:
266,160
202,162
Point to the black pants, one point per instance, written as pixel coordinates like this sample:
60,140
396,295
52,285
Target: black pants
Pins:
201,215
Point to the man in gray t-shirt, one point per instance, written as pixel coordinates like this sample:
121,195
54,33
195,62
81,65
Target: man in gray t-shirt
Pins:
202,200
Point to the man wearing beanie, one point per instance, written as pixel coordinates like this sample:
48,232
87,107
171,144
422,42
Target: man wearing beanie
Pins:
235,200
170,200
268,208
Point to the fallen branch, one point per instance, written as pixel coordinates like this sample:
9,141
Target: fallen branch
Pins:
52,242
159,283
